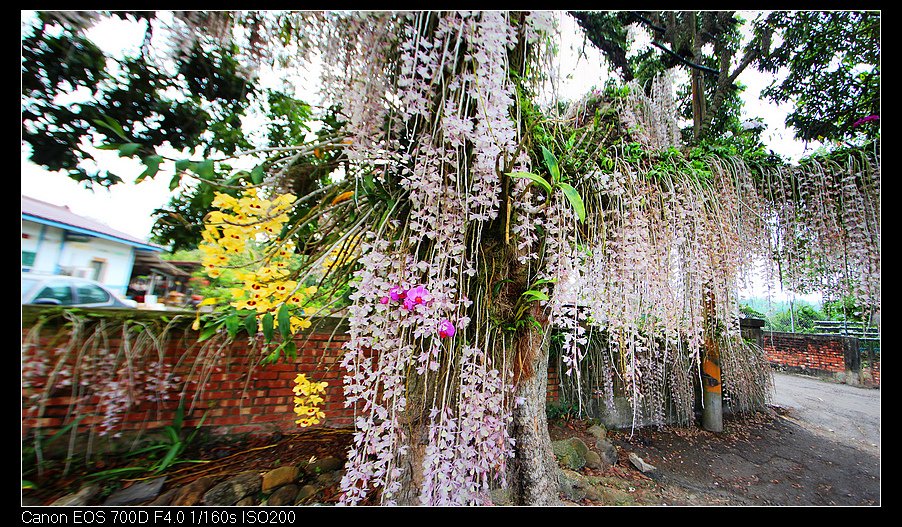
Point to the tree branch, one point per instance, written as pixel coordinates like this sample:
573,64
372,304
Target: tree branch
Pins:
685,61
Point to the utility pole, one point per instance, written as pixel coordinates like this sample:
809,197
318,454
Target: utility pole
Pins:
712,398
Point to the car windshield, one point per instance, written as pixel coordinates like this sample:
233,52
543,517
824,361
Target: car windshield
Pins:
27,285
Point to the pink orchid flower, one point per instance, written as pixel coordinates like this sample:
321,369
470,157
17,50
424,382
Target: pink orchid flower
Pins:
419,295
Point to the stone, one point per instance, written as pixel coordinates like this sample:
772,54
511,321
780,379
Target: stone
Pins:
612,496
326,464
229,492
640,464
284,495
80,498
593,493
306,492
192,493
607,451
572,485
598,431
328,478
570,452
140,492
280,476
593,461
164,499
247,501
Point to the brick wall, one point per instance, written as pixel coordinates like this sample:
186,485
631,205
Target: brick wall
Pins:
553,392
225,384
814,353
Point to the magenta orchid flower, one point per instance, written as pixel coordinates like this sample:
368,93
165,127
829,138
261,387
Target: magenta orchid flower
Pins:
383,300
397,293
446,329
865,119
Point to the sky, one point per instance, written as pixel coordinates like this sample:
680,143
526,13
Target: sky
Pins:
129,207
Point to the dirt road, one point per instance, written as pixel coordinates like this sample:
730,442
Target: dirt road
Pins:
818,446
847,414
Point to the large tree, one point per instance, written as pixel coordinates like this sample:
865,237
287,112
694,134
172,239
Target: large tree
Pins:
706,43
138,103
471,227
829,63
832,65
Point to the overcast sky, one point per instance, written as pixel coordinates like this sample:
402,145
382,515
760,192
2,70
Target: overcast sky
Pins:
129,207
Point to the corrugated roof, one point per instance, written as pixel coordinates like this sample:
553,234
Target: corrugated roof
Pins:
37,210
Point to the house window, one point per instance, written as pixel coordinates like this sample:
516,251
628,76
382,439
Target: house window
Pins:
28,259
97,266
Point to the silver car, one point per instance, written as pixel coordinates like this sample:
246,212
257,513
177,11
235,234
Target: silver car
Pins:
58,290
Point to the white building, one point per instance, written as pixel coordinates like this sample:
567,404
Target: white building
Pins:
57,241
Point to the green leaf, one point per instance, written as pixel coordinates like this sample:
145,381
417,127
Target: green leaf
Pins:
208,331
368,184
173,435
250,325
496,288
174,451
532,177
153,166
291,349
178,418
534,295
575,200
232,324
274,354
267,326
204,169
237,177
257,175
110,124
284,318
551,163
175,181
128,149
111,146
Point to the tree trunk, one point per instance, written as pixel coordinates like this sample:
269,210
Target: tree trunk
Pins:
533,472
697,80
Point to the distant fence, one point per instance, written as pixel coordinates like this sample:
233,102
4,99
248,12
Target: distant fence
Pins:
868,342
836,355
